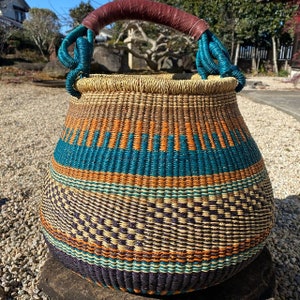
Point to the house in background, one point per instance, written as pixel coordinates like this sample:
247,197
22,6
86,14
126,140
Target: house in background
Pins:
104,35
13,12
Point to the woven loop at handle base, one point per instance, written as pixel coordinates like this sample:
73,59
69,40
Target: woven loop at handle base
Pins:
210,48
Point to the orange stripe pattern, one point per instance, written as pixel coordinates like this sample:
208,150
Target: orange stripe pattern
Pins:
156,192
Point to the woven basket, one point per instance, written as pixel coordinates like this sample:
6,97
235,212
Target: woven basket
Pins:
156,185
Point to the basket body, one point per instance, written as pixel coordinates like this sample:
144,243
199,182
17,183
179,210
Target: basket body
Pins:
156,185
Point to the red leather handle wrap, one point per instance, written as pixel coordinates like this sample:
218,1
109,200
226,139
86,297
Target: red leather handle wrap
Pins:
145,10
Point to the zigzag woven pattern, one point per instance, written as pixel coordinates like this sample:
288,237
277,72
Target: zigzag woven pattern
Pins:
156,185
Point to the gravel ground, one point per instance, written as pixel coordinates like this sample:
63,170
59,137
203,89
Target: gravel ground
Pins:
30,123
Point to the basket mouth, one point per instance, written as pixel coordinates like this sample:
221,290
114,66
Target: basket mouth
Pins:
174,84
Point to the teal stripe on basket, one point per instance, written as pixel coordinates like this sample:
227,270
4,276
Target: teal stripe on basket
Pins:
158,163
147,267
164,192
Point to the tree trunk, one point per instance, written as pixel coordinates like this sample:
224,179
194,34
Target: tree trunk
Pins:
42,53
237,52
129,45
152,65
274,46
232,45
253,65
258,63
286,65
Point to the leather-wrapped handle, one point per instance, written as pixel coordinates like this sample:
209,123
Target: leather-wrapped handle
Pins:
212,57
145,10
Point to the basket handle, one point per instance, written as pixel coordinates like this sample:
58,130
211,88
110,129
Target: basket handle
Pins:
210,48
145,10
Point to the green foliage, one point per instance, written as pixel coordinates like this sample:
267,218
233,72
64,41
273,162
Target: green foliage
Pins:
21,40
80,12
6,34
283,73
3,39
264,20
238,21
18,42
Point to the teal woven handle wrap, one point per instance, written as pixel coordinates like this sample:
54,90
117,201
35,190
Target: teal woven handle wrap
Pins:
83,52
210,48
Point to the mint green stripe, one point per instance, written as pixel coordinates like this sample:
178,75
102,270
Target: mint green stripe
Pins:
143,266
136,191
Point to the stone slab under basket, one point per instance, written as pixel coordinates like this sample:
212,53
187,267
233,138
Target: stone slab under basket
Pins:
255,282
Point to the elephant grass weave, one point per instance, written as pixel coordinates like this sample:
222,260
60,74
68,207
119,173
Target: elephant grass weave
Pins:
156,185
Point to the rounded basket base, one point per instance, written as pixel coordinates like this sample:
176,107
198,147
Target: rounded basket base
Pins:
257,281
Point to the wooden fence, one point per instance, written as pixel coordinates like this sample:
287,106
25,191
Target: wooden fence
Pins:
247,52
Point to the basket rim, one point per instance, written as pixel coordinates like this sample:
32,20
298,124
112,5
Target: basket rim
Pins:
173,84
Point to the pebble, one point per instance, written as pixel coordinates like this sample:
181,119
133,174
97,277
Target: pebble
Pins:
29,136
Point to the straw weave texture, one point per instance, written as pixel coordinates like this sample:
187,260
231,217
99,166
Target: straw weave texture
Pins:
156,185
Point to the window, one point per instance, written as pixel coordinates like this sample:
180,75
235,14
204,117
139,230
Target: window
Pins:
19,16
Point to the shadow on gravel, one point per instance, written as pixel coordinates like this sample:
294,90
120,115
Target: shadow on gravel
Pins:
3,201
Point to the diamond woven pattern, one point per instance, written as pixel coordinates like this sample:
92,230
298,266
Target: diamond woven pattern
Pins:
156,185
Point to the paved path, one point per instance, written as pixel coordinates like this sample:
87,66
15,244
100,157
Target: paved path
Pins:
287,101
